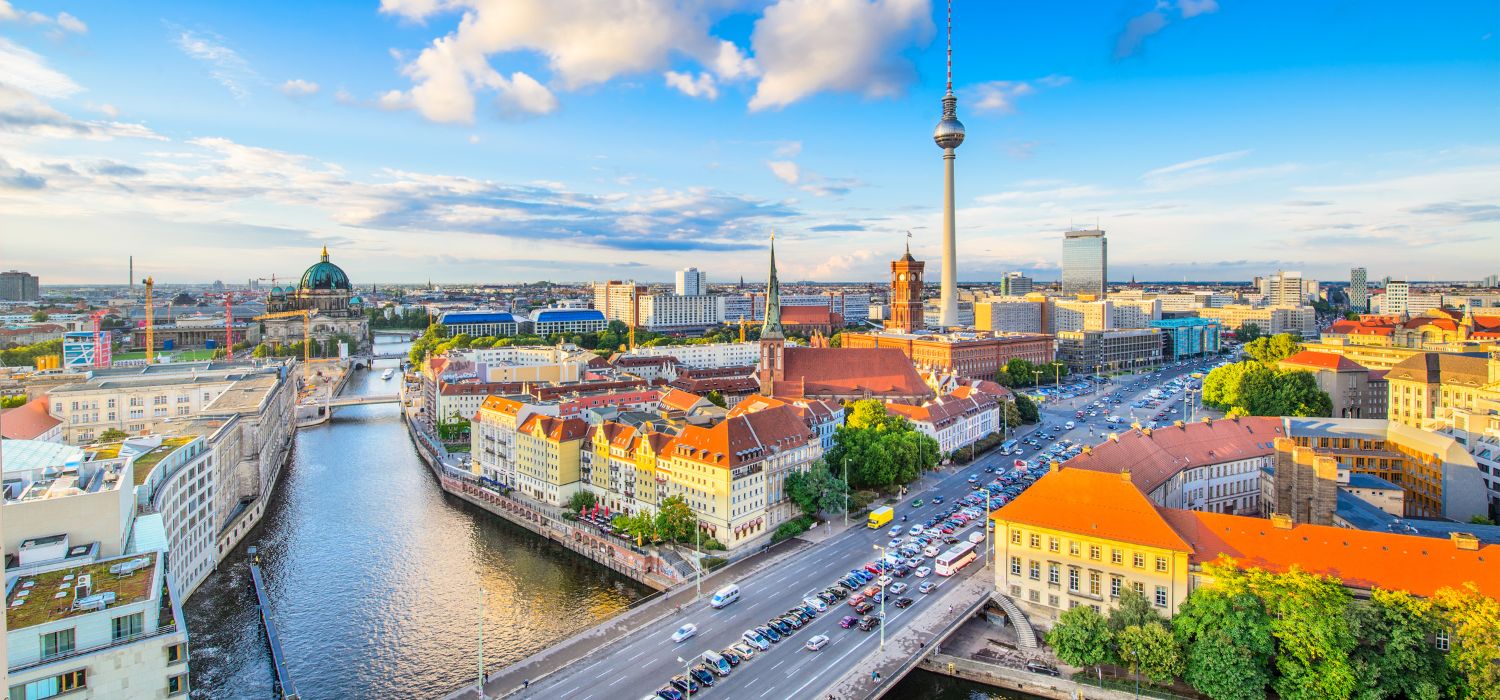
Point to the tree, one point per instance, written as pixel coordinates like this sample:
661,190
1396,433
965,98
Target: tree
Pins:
12,401
676,520
1472,622
1248,331
1351,316
1026,409
112,435
1258,390
1150,649
881,449
1310,623
1273,349
1012,414
716,398
641,526
1133,609
817,489
1394,658
1226,638
582,500
1081,638
40,316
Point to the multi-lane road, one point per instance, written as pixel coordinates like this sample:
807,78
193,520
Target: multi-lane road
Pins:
634,668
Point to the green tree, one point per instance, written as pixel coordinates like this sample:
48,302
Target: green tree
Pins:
881,449
676,520
1273,349
1081,638
39,316
1394,658
817,489
1351,315
716,398
1258,390
1133,609
1226,637
112,435
581,500
12,401
1310,622
1150,649
1472,622
1248,331
641,526
1026,409
1480,520
1012,414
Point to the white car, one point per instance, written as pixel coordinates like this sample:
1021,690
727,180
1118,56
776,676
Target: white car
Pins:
914,530
922,572
931,551
817,642
898,588
754,639
815,604
884,580
896,531
684,632
744,649
976,537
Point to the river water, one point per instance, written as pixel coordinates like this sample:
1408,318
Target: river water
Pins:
374,575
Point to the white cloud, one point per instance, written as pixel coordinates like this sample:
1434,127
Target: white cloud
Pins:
70,23
226,66
63,22
24,70
1000,95
808,46
298,87
523,95
1196,163
702,86
732,64
792,174
1142,26
788,149
785,171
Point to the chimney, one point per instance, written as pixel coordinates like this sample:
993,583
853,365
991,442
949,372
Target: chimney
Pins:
1178,424
1056,466
1135,426
1146,432
1125,475
1281,521
1208,419
1114,437
1465,541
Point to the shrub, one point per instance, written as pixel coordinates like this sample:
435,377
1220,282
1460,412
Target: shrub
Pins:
861,500
713,544
711,563
792,528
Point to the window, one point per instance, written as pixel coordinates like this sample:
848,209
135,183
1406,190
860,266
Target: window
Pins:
1015,537
50,687
1052,545
1073,548
127,626
178,684
1138,560
1116,556
1094,552
57,643
1015,566
1054,576
1161,563
1440,640
176,653
1138,587
1114,586
1036,541
1073,579
1093,583
1052,600
1036,571
1034,595
1161,596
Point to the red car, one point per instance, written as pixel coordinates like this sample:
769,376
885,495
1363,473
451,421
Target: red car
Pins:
872,568
848,621
856,599
864,607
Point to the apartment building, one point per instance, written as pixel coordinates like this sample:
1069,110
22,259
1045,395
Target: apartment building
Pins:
1301,321
1108,351
1011,314
139,399
1356,391
956,420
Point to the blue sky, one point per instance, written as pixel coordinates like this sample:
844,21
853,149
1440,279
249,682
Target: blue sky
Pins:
563,139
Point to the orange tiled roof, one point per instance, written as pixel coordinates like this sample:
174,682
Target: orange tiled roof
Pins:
880,372
808,315
1153,459
1344,327
27,421
1324,360
555,429
1092,503
501,404
742,439
680,400
1362,559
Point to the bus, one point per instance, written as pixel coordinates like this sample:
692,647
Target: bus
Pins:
951,561
1009,446
880,516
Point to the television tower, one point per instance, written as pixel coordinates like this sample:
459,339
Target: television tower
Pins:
948,135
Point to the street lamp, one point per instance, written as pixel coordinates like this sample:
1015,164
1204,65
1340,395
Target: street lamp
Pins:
985,529
481,643
846,492
1057,375
882,601
687,670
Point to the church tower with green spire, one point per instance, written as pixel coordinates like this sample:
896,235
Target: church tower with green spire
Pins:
772,367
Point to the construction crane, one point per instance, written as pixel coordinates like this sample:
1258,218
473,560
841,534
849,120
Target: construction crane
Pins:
150,321
306,315
101,346
228,325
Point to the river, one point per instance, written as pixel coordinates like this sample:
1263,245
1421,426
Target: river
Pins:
374,575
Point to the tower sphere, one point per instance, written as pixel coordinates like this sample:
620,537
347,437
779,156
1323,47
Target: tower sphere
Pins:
949,133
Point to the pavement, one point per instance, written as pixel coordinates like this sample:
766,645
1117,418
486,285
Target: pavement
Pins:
631,659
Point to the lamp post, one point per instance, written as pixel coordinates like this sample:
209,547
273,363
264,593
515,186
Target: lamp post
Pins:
986,528
481,643
1057,375
698,546
846,492
687,670
1135,657
882,601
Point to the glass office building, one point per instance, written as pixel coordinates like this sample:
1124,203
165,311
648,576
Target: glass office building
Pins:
1085,263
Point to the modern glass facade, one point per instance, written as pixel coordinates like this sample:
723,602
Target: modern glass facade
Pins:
1085,263
1188,337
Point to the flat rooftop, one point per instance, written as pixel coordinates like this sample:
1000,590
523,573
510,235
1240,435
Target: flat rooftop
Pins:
244,396
146,462
48,597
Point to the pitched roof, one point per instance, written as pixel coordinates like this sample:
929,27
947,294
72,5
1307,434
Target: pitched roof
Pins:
555,429
880,372
1154,456
27,421
809,315
1361,327
680,400
1442,368
745,438
1361,558
1324,360
946,410
1093,503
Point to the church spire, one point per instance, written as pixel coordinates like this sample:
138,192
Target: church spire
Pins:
772,326
325,253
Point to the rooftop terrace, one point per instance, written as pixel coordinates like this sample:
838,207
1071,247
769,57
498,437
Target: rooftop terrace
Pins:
48,597
146,462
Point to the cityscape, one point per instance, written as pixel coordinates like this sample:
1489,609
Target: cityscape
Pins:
588,349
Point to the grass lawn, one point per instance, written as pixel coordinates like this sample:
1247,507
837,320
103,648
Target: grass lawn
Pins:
41,605
176,355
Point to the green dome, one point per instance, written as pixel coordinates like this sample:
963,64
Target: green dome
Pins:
325,275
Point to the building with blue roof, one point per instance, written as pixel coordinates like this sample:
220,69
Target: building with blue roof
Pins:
545,322
481,323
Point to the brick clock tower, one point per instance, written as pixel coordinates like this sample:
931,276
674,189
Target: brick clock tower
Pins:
906,294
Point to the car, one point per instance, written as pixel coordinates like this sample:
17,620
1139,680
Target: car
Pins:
896,531
901,571
914,530
667,692
804,613
704,677
917,503
868,623
864,607
927,586
848,621
976,537
825,599
930,551
872,569
950,539
946,529
769,632
938,500
871,590
877,597
856,599
893,544
786,625
817,642
973,478
745,649
757,639
1042,668
733,657
904,602
898,588
684,632
685,684
883,580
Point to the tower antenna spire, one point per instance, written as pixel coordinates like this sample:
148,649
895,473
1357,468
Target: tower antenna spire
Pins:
950,47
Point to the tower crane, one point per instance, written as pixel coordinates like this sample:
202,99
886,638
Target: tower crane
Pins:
150,321
228,325
101,346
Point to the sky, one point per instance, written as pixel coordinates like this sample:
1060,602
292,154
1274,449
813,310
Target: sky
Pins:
575,140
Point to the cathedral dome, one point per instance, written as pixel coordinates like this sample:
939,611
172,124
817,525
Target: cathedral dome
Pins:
325,275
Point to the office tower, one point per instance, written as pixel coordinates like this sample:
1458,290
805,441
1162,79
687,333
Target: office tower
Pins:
1015,284
1397,297
948,135
1359,290
1284,289
692,282
1085,263
19,286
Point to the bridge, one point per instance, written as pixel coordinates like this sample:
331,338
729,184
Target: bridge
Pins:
362,400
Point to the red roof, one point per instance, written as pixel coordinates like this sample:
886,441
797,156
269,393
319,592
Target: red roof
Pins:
1324,360
1095,504
555,429
680,400
1361,558
744,438
878,372
809,315
1154,456
28,421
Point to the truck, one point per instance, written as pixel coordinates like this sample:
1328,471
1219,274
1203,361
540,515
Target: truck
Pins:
880,516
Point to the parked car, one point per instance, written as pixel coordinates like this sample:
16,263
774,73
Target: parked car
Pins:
848,621
817,642
864,607
685,684
684,632
1043,668
757,639
733,657
769,632
667,692
746,650
701,674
